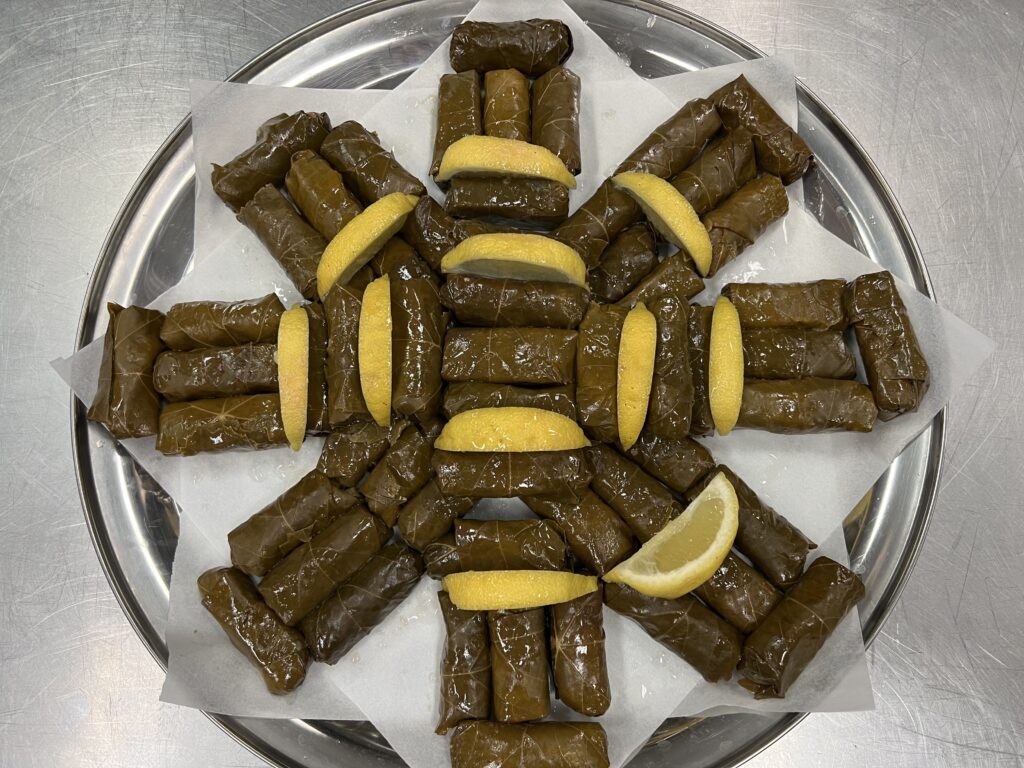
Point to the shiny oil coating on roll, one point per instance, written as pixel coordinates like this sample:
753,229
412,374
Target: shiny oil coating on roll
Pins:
743,217
784,643
216,372
533,47
200,426
541,356
896,368
555,115
596,223
295,245
361,603
625,262
773,544
417,335
494,545
403,470
195,324
814,306
671,399
795,353
673,144
678,462
577,654
316,395
432,231
507,104
267,161
597,536
469,395
429,515
297,584
465,666
720,170
684,626
739,594
458,112
780,150
646,505
798,406
701,422
674,276
126,401
276,649
491,301
399,261
369,170
351,449
597,370
484,744
519,665
539,202
292,519
342,307
320,193
564,474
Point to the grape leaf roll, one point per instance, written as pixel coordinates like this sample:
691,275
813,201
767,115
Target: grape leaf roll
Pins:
199,426
367,169
532,46
555,108
195,324
743,217
506,104
465,666
484,744
458,112
491,301
216,372
676,142
320,193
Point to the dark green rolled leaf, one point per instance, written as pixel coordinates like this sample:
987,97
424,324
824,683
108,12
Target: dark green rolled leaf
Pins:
739,594
597,536
564,474
465,666
678,462
555,101
785,353
510,355
484,744
578,661
507,104
499,302
195,324
399,261
813,306
519,665
199,426
597,222
216,372
671,399
675,143
367,169
701,422
496,545
539,202
533,47
672,277
469,395
320,193
429,515
404,469
418,326
351,449
626,261
316,397
740,220
458,112
799,406
597,370
719,171
646,505
342,307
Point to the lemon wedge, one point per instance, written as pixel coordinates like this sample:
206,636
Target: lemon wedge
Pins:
375,349
508,590
686,552
515,256
510,429
494,156
637,346
361,239
293,373
725,366
670,213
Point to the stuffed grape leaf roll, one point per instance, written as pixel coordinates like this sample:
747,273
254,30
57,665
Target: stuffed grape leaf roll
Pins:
484,744
684,626
597,536
597,369
739,594
276,649
812,306
399,261
200,426
458,112
418,327
541,356
895,364
555,102
519,665
678,462
320,193
216,372
564,474
351,449
362,602
672,277
719,171
342,307
403,470
367,169
577,654
465,666
470,395
795,353
429,515
316,397
799,406
625,262
675,143
596,223
126,401
671,399
491,301
267,161
743,217
646,505
784,643
507,104
529,202
701,422
495,545
195,324
533,46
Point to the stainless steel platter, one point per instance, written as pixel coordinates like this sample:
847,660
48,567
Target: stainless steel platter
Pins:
376,44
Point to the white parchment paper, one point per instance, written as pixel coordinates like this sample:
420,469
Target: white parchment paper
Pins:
813,480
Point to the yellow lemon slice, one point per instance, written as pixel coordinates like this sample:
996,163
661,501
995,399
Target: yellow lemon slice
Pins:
670,213
361,239
512,429
293,373
516,257
687,551
637,346
375,349
725,366
508,590
494,156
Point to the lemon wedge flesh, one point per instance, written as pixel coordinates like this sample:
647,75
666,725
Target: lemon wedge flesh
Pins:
494,156
508,590
375,349
637,346
725,366
687,551
361,239
510,429
516,257
670,213
293,373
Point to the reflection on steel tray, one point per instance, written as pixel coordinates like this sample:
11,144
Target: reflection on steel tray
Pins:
376,44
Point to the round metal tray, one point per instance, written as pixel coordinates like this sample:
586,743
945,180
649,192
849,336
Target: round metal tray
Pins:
377,44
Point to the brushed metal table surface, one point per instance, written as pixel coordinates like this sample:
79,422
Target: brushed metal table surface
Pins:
89,90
